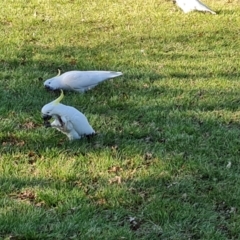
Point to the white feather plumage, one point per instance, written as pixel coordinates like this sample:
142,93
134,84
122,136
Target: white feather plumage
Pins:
79,81
67,119
193,5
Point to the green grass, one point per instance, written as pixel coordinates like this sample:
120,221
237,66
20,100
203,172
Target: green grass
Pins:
167,129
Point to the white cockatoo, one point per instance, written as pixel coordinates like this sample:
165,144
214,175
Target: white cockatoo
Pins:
79,81
68,119
193,5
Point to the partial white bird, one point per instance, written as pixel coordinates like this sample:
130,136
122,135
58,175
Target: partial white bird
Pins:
68,119
193,5
79,81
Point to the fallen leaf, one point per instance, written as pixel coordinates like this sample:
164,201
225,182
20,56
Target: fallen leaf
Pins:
133,171
21,143
30,125
40,204
116,179
73,61
114,169
148,156
101,201
114,148
229,165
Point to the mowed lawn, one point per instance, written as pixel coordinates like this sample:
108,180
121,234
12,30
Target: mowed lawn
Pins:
165,161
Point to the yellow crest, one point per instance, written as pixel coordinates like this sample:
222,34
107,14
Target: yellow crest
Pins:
57,101
59,72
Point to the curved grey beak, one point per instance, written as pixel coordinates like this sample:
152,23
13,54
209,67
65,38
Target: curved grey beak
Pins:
48,87
46,117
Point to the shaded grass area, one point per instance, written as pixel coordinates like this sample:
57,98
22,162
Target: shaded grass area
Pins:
165,161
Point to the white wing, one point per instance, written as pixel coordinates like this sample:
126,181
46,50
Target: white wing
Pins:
74,127
85,80
80,124
192,5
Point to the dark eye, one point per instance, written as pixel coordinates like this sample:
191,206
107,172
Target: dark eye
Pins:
49,82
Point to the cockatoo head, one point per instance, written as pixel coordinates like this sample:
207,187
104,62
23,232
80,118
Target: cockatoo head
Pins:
50,109
53,83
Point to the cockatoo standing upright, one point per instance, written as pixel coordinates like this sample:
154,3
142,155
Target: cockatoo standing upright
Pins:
68,119
79,81
193,5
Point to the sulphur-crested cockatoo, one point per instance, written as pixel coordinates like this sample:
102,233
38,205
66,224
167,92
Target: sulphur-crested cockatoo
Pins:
193,5
79,81
68,119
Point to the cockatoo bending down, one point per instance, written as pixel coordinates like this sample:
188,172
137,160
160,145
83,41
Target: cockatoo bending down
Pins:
79,81
68,119
192,5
